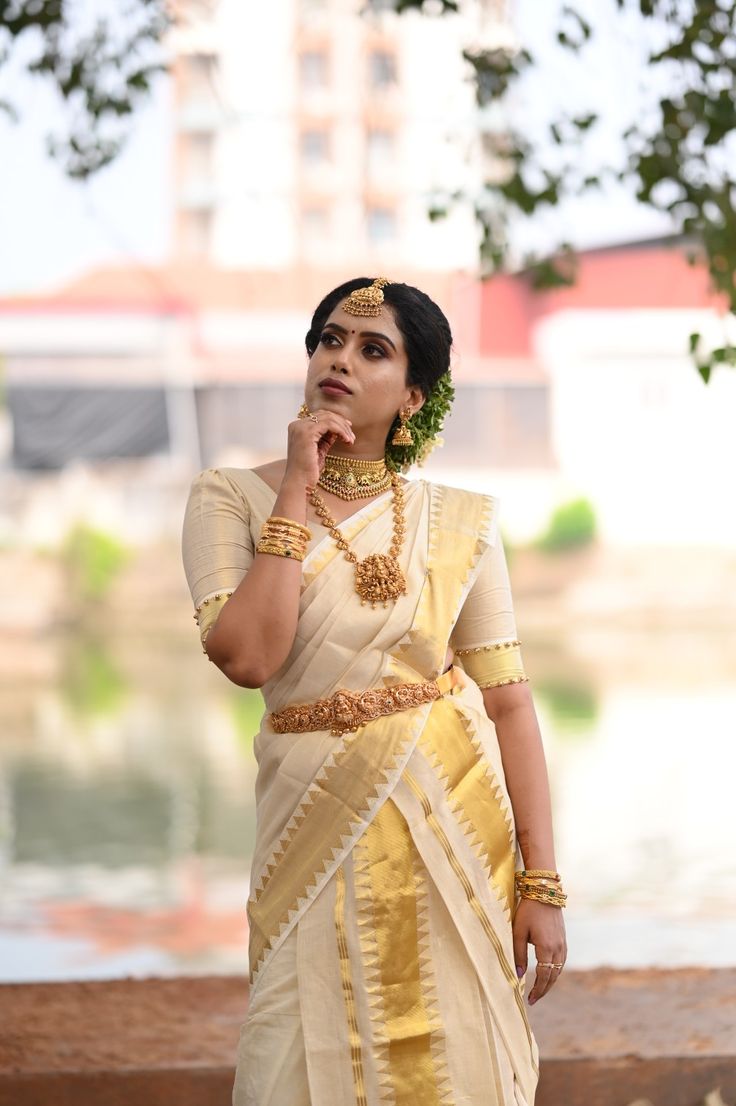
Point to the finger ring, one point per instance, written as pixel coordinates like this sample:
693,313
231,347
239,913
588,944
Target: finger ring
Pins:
544,964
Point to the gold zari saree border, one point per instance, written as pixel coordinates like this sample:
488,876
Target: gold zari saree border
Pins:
475,905
356,1052
473,794
391,893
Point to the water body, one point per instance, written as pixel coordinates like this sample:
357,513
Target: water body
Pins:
127,815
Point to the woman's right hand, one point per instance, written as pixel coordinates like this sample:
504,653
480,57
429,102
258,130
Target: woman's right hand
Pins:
309,442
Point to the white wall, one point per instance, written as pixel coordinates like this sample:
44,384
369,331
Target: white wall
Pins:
636,429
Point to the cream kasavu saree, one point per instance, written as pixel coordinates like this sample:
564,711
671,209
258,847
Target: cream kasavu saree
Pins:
382,887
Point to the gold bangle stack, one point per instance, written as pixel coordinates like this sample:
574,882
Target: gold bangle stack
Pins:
284,537
540,884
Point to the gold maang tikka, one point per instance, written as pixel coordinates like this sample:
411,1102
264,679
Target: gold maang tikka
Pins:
366,301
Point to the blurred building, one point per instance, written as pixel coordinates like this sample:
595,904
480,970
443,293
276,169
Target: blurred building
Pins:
310,142
318,132
586,390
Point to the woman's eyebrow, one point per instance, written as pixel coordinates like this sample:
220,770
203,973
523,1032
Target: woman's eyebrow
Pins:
363,333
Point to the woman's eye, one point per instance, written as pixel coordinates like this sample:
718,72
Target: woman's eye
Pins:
325,338
374,349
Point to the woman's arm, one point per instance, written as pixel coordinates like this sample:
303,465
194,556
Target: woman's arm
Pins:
254,631
540,924
511,708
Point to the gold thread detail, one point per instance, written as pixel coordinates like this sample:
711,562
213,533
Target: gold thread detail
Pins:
392,867
499,683
370,962
428,981
205,615
356,1055
474,903
460,525
486,648
210,599
474,795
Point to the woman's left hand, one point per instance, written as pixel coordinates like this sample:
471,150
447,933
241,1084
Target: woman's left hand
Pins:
539,924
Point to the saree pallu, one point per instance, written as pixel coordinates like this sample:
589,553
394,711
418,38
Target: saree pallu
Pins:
382,891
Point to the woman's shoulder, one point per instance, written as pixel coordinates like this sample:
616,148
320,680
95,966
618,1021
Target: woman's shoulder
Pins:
467,494
229,483
465,510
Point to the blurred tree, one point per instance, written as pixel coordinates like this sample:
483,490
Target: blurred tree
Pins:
572,525
102,73
675,152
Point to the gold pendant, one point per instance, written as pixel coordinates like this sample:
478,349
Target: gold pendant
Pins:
379,578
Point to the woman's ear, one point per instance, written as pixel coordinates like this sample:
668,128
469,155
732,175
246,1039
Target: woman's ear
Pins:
416,398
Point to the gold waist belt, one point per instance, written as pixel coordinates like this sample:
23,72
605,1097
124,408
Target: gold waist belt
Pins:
344,711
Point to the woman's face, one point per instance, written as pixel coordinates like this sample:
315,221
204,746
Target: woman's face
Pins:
367,356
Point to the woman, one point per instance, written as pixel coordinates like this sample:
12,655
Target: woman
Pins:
388,926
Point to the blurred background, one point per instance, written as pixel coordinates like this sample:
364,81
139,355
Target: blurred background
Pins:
164,236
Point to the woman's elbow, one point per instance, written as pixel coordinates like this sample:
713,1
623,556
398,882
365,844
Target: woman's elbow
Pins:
239,670
243,677
247,664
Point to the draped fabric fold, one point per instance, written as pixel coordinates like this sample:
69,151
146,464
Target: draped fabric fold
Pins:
382,889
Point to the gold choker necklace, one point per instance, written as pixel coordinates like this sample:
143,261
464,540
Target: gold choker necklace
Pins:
353,478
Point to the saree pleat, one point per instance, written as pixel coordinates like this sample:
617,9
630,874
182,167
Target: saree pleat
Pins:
382,890
271,1062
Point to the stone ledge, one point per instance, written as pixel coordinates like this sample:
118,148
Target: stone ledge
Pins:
606,1038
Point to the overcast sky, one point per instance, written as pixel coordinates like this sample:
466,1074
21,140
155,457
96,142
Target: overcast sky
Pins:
52,229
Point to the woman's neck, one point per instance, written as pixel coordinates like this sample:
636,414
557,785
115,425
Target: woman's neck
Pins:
348,454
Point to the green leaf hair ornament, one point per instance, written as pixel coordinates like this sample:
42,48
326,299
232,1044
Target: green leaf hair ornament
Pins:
425,426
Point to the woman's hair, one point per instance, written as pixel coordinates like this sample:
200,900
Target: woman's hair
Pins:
428,341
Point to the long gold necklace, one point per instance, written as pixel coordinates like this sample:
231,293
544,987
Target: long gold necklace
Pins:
354,478
378,577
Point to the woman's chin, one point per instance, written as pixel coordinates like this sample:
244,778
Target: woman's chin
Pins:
326,395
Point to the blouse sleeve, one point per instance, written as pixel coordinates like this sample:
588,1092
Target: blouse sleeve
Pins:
484,636
217,547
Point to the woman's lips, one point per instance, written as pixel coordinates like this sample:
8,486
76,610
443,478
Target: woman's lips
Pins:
335,389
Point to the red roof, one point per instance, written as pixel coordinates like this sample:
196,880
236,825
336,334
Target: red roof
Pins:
653,275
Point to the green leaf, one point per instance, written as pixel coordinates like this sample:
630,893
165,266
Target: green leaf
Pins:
584,122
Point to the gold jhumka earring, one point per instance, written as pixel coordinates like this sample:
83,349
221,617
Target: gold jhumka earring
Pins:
402,434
